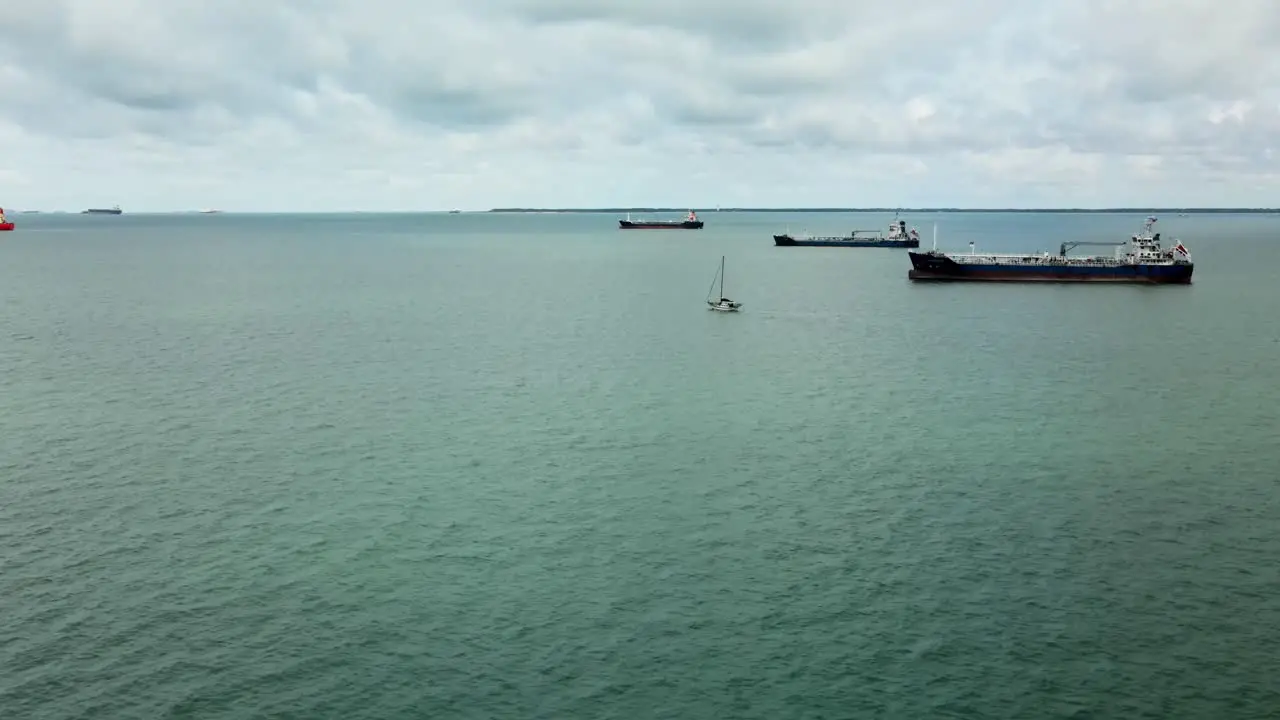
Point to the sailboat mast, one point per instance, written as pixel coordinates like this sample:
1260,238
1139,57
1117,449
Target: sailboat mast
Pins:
721,276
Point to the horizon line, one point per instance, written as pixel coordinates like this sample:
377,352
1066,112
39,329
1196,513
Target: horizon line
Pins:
656,209
1130,209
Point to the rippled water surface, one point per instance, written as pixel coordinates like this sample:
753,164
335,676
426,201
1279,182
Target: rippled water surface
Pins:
484,466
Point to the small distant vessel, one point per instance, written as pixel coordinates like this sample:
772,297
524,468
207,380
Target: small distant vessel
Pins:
115,210
5,225
455,212
210,211
1140,259
898,237
690,222
722,304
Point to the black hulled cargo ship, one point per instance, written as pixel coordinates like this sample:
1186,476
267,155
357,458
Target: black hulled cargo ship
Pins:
690,222
898,237
1141,259
102,211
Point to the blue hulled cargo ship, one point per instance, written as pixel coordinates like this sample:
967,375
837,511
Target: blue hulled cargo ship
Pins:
1140,259
898,237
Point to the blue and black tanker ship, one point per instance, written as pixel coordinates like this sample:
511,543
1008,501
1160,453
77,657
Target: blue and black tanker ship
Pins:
1141,259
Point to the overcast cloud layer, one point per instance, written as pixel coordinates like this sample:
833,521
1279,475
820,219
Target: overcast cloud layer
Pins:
432,104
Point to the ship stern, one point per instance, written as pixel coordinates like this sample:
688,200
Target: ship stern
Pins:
1179,274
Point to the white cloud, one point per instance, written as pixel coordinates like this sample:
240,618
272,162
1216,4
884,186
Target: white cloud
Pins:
387,104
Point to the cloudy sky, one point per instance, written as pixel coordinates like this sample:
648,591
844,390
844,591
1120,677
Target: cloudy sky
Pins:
436,104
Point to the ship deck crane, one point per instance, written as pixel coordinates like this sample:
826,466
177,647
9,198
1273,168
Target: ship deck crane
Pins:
1068,246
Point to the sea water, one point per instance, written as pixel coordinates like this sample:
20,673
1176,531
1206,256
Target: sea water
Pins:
483,465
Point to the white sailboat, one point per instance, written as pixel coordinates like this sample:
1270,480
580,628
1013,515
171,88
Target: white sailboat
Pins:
722,304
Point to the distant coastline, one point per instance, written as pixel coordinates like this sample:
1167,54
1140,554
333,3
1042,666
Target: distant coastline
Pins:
616,210
703,210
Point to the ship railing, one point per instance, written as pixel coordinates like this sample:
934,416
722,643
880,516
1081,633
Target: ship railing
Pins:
1031,259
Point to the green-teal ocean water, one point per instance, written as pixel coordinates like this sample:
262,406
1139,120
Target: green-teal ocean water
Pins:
509,466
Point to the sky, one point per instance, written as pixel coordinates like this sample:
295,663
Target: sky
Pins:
388,105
